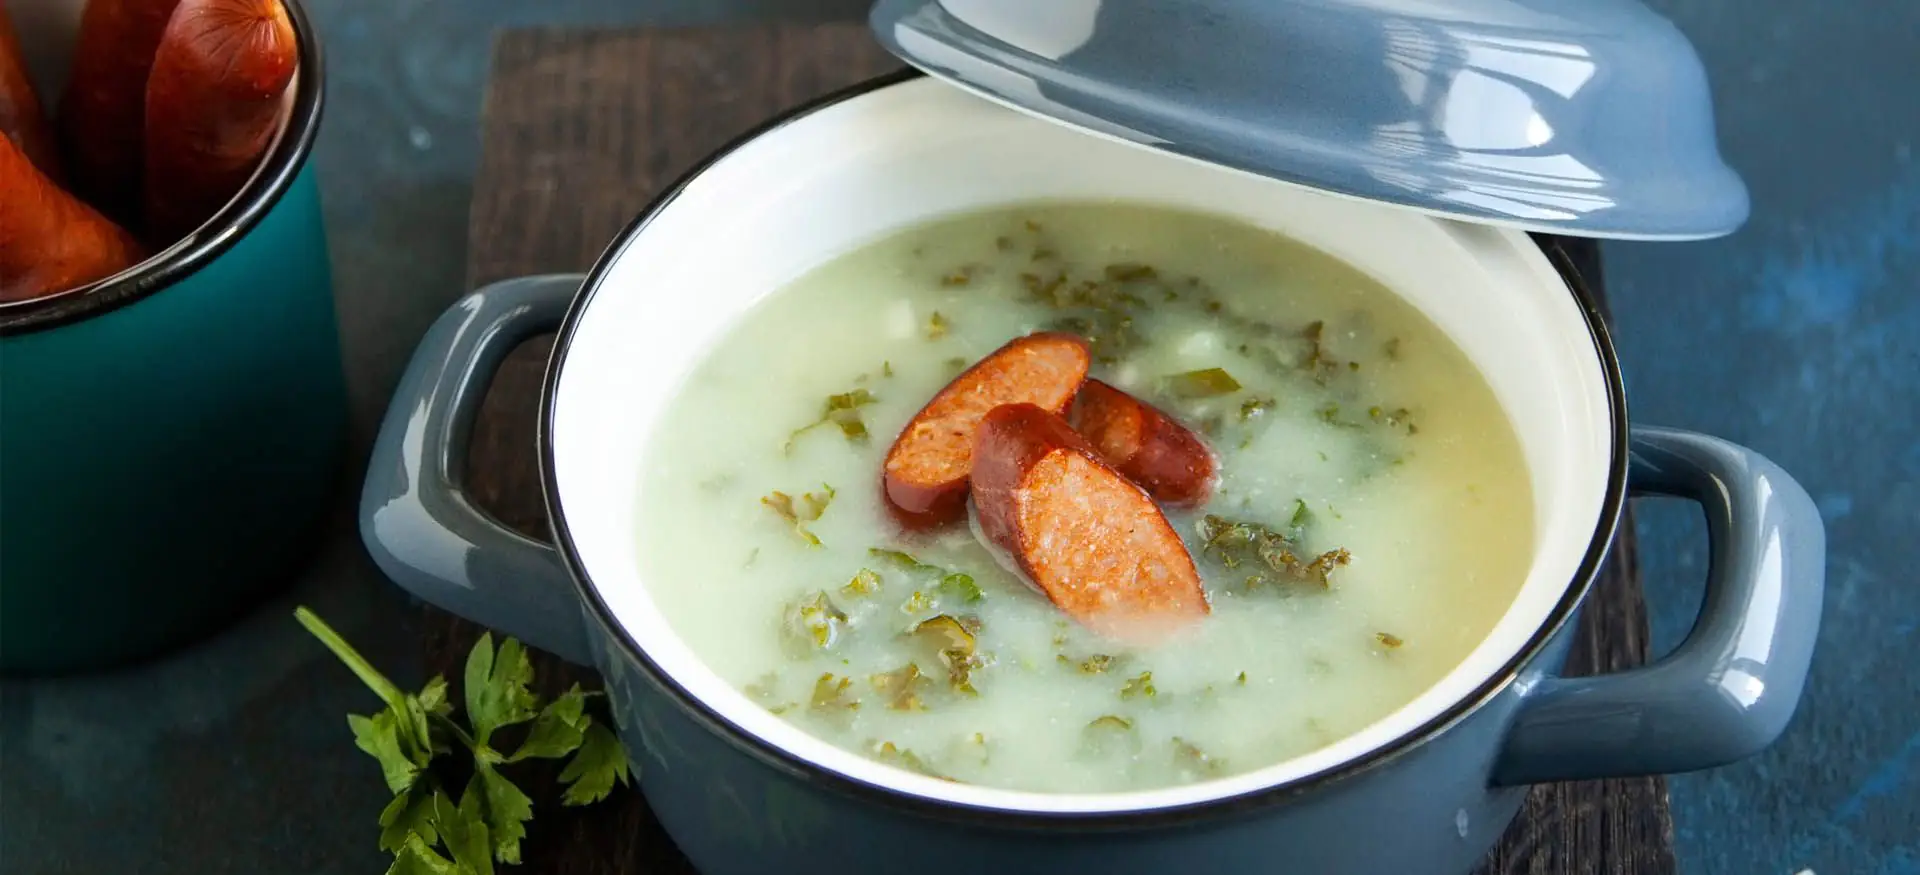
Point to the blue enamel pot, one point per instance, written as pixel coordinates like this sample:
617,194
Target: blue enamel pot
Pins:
170,437
1429,789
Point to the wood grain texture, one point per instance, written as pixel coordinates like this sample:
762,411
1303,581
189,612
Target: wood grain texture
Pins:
581,129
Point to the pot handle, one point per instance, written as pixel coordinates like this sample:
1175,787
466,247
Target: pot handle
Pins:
415,516
1727,692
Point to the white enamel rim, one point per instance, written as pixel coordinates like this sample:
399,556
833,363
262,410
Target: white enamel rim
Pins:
852,170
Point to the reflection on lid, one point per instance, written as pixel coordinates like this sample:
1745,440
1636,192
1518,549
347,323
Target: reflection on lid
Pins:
1579,118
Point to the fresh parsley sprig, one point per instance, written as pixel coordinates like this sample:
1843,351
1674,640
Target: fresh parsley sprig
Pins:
417,731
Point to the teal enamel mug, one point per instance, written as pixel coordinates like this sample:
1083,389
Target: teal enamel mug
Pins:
170,436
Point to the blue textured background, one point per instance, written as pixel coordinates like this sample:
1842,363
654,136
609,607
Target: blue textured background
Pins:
1797,336
1794,336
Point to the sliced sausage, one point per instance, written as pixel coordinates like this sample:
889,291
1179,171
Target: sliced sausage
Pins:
50,241
102,111
1139,440
925,473
21,115
214,103
1080,532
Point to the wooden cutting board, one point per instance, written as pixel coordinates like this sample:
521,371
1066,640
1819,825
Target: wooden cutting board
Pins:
581,128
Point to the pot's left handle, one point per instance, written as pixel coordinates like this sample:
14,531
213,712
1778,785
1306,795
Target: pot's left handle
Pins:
415,516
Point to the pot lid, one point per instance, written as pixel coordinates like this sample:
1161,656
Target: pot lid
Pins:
1588,118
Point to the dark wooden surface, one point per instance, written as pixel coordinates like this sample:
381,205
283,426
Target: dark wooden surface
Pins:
581,128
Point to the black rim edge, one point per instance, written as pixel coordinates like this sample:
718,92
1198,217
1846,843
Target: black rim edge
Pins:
187,256
805,770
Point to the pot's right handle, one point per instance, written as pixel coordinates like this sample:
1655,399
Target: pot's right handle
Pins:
1730,688
415,516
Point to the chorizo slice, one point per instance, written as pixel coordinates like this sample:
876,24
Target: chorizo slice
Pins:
1079,531
925,472
21,115
214,104
1141,441
49,240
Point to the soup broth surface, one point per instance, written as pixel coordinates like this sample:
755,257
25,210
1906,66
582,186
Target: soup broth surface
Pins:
1344,422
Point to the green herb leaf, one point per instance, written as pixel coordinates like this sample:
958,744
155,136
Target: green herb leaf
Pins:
960,586
1139,687
464,831
1096,664
808,508
799,513
953,584
496,687
1191,756
1235,544
1388,640
559,728
813,623
410,813
507,810
1206,383
1255,407
379,736
889,753
901,687
937,326
1110,734
600,762
865,582
1302,517
903,560
489,822
955,641
830,693
433,698
417,857
842,410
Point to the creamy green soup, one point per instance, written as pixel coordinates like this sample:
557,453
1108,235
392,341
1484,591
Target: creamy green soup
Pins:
1351,435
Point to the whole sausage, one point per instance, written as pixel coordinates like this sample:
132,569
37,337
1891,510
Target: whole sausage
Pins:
1139,440
925,474
49,240
102,112
1080,532
213,106
21,116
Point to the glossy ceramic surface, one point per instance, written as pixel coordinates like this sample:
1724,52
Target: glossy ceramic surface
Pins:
736,803
733,808
1591,118
170,440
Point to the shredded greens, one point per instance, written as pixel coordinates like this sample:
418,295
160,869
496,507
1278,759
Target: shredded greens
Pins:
799,512
842,410
1140,686
1207,383
865,582
1269,557
956,643
814,623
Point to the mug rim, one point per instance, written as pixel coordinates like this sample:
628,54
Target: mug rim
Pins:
188,255
806,770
